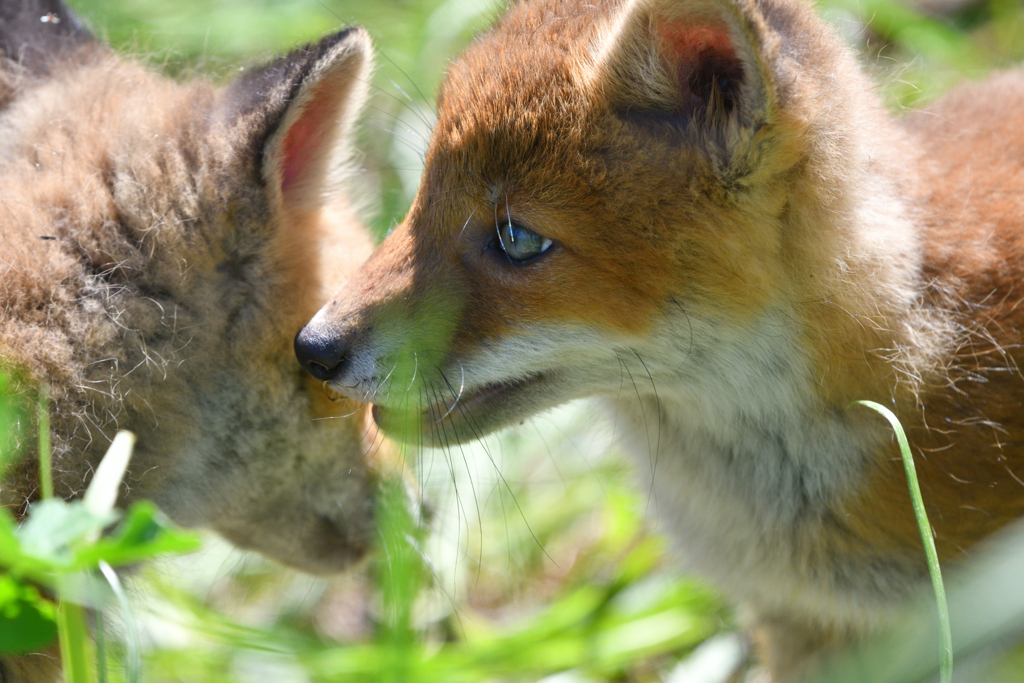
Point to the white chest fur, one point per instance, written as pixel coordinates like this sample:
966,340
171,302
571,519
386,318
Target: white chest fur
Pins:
746,468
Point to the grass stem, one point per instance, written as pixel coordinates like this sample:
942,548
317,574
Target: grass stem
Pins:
134,663
74,643
946,659
45,470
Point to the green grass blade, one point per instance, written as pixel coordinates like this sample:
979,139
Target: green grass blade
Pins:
74,643
134,665
100,635
946,661
45,473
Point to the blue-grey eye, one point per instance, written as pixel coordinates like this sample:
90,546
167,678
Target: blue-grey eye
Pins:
520,244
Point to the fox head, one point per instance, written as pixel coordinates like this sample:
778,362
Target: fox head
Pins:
163,244
630,198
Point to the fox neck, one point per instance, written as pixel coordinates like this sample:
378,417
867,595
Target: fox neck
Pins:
752,445
746,466
746,397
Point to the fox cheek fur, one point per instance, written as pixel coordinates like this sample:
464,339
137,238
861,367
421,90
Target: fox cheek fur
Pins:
742,243
162,244
664,211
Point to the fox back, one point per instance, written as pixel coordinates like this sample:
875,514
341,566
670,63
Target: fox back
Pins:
161,244
700,212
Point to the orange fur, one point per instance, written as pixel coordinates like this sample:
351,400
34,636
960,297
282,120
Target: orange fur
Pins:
744,244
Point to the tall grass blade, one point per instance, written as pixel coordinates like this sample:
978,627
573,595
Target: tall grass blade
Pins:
946,660
72,629
74,643
45,470
131,632
100,636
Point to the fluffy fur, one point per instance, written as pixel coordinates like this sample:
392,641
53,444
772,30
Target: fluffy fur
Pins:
161,245
744,244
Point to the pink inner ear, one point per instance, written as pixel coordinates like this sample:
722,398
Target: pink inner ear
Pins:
687,43
304,143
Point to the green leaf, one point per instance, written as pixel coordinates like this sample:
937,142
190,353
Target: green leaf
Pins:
57,539
54,528
144,534
27,620
10,546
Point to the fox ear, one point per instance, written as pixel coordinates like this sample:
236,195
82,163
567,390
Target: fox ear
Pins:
34,32
293,115
702,63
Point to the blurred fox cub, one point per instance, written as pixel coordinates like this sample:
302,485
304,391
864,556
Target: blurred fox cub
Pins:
699,211
161,245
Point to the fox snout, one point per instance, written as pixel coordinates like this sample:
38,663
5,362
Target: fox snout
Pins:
387,329
319,352
338,349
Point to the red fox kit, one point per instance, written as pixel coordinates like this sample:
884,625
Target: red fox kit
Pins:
161,245
698,211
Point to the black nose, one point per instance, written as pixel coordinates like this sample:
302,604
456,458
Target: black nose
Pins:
322,355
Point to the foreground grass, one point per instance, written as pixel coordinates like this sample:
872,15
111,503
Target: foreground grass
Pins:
555,571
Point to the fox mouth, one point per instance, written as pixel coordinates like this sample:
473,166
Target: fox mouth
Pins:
476,407
332,395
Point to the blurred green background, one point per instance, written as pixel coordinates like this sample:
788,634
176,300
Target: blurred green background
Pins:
540,562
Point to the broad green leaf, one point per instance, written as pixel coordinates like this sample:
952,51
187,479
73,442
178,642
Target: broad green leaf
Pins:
57,538
54,527
27,620
10,546
142,535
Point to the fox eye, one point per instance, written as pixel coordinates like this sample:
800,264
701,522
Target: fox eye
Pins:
519,243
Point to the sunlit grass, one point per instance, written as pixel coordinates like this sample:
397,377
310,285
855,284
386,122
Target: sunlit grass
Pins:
556,571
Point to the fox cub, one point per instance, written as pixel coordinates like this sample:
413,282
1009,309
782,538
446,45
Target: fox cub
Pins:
161,245
699,211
